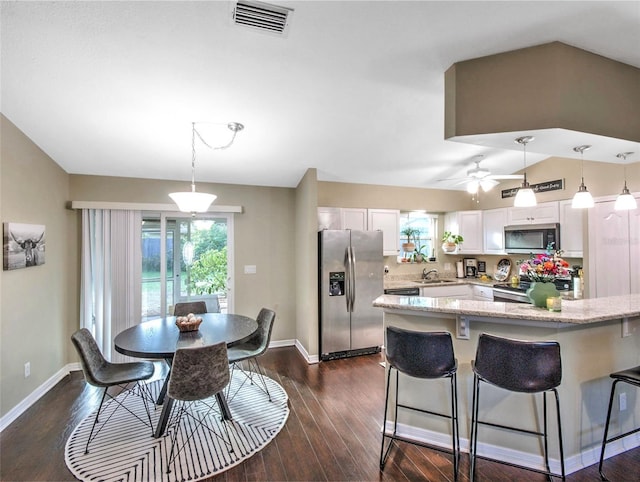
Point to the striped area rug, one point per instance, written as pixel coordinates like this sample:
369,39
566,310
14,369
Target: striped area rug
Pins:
125,449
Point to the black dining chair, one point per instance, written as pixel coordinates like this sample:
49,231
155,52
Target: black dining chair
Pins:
197,374
195,307
630,376
101,373
517,366
250,349
424,355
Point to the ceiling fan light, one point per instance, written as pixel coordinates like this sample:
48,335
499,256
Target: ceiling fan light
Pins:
488,184
525,197
472,187
193,202
582,199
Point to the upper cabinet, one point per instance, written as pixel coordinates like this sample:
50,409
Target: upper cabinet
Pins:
613,250
571,222
329,218
493,222
542,213
469,225
354,218
385,220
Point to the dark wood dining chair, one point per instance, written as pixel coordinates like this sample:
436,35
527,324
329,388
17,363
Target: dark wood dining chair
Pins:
101,373
197,374
250,349
195,307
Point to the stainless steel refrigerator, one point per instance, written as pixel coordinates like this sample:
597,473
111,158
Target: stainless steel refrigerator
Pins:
350,278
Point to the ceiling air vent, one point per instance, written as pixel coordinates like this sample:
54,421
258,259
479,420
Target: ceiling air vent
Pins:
261,16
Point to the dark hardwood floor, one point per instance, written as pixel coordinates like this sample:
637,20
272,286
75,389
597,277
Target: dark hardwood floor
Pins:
332,433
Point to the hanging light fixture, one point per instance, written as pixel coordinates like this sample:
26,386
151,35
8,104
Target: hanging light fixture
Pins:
582,199
199,202
625,201
525,197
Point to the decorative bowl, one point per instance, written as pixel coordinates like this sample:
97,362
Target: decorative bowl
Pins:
188,323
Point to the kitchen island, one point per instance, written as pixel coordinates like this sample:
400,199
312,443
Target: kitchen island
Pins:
596,336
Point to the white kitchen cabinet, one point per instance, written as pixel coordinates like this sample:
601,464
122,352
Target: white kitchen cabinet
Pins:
387,221
571,230
493,223
469,225
456,291
329,218
482,293
354,218
542,213
614,244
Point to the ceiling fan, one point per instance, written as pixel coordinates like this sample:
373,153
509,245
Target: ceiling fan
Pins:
481,178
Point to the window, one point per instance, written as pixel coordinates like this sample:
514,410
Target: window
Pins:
196,264
424,229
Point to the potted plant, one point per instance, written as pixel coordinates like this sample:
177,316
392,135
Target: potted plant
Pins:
410,233
418,255
451,241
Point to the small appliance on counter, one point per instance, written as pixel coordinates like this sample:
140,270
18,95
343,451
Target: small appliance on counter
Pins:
470,267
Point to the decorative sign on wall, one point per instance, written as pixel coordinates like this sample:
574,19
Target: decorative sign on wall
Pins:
22,245
556,185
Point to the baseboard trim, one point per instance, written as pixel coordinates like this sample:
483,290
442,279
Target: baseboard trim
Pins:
38,393
311,359
574,463
281,343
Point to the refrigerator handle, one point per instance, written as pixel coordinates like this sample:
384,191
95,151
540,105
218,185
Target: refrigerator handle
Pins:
353,279
347,287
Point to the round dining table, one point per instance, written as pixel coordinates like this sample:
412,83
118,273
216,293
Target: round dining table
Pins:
160,338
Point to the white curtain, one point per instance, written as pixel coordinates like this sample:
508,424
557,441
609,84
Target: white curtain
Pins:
111,275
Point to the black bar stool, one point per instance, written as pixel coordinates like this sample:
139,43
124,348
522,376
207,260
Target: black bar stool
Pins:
517,366
421,355
632,377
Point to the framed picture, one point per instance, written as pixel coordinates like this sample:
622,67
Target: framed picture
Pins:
22,245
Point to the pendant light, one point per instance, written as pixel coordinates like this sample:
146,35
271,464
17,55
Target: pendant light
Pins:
582,199
199,202
525,197
625,201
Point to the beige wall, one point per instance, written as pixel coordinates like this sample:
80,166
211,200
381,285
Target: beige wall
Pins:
264,237
547,86
307,327
601,178
39,305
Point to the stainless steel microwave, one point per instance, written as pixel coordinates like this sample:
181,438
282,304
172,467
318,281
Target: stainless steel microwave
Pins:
531,238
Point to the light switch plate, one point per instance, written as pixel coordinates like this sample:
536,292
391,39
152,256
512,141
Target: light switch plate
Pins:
249,269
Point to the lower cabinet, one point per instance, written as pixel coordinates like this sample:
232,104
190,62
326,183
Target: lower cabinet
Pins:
457,291
482,293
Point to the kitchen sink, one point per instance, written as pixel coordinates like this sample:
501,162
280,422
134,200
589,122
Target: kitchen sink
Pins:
435,281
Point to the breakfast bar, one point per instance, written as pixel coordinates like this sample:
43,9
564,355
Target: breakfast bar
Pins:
596,336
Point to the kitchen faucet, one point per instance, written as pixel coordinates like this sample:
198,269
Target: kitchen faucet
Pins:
425,273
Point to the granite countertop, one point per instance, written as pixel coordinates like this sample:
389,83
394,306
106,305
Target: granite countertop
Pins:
574,312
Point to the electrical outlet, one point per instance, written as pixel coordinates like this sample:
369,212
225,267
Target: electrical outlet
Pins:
27,369
623,401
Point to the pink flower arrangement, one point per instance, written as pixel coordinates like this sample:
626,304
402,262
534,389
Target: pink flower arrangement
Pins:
545,267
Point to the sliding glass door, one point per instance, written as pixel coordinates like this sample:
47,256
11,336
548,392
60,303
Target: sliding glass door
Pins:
186,258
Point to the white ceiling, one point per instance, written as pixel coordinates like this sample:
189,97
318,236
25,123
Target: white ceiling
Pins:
356,89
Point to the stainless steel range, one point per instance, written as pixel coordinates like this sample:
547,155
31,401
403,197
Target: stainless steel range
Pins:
508,293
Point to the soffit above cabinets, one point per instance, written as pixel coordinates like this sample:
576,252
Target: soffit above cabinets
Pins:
562,95
559,143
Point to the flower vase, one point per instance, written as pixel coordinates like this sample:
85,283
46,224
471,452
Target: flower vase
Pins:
540,291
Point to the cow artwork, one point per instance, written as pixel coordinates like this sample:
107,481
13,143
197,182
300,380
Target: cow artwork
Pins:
23,245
